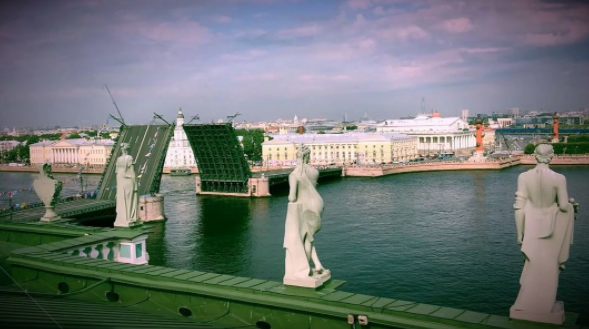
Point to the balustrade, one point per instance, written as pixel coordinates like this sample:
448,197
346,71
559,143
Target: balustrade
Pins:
122,251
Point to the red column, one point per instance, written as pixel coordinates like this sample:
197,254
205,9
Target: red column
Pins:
555,128
479,135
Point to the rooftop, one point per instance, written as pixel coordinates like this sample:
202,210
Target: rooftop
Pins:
335,138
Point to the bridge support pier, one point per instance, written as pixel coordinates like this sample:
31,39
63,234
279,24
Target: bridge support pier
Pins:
151,208
257,187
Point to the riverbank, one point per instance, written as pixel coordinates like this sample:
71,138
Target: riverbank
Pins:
392,169
559,160
55,168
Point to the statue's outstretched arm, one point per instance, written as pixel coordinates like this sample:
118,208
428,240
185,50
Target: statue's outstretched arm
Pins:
520,201
562,195
293,183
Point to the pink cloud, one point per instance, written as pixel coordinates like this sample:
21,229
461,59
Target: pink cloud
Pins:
436,67
344,51
358,4
323,77
257,77
458,25
245,56
182,32
222,19
297,32
367,44
484,50
378,11
573,32
412,32
250,33
360,21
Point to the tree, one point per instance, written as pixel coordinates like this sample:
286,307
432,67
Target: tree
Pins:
252,143
351,127
529,149
74,136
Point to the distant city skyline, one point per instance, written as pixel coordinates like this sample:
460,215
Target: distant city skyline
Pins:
269,59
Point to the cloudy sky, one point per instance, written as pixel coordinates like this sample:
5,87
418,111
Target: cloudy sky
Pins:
274,59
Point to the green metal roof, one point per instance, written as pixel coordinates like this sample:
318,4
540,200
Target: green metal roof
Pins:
21,311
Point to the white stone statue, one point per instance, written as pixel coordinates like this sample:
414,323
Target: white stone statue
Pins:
303,220
48,189
544,218
126,189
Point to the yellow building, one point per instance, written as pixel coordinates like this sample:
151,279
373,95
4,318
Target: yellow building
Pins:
361,148
71,151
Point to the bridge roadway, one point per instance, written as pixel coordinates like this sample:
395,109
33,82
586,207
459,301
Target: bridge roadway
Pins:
90,208
278,177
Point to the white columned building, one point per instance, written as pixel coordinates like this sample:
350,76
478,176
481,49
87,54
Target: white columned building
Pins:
435,134
179,151
71,151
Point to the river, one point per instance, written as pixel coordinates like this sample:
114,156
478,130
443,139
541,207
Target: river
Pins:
444,238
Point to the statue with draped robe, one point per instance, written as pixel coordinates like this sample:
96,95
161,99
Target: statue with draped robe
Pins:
126,200
303,221
544,217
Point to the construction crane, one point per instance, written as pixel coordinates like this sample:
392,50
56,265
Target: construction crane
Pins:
231,117
196,117
120,118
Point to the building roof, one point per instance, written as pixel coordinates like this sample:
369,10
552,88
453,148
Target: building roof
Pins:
13,143
420,121
335,138
77,142
43,143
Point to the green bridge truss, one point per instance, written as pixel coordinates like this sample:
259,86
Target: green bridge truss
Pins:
221,163
148,147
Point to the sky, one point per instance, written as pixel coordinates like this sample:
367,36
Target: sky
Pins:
273,59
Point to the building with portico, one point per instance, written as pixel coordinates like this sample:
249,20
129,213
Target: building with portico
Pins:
360,148
79,151
434,133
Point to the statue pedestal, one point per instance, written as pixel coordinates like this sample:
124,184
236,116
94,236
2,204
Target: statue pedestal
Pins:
133,252
554,317
50,214
128,224
477,157
314,281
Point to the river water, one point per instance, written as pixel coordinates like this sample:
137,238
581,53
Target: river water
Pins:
444,238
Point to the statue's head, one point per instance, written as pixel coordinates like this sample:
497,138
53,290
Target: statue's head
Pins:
544,153
47,168
125,147
303,152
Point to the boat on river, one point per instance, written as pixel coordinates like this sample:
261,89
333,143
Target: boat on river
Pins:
181,172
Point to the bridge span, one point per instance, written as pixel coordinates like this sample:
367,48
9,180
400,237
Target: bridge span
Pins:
148,146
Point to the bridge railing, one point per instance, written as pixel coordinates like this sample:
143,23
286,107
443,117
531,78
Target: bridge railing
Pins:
116,246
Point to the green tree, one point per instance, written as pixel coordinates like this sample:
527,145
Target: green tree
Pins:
252,143
351,127
529,149
73,136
